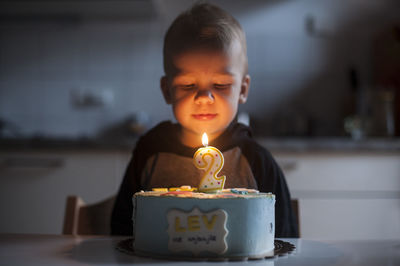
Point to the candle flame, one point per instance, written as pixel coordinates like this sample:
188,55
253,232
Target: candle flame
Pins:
204,139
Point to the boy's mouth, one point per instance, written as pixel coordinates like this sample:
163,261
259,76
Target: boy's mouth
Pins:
204,117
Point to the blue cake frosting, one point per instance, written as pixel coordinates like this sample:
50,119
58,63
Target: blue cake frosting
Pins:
234,223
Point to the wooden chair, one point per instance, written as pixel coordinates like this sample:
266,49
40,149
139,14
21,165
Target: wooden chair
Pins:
295,208
83,219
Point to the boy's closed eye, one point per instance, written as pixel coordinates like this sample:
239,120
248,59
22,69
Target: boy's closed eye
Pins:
186,87
189,87
222,86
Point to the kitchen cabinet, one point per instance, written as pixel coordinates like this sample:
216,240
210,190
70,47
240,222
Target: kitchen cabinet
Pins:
34,185
342,194
345,194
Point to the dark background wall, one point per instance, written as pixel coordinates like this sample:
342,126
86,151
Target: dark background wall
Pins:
83,68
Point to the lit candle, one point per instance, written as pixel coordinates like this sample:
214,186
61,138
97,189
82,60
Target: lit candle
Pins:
211,160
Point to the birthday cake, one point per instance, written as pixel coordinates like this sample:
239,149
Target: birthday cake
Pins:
232,223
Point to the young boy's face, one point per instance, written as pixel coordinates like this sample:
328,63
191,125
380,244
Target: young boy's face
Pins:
204,89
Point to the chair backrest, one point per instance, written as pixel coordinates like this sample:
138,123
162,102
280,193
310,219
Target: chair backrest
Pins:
83,219
295,208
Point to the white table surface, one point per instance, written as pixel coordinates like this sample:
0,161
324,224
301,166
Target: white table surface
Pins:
100,250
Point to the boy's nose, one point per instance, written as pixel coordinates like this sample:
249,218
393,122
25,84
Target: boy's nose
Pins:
204,97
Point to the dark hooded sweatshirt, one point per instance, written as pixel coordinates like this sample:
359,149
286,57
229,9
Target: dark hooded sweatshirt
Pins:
160,160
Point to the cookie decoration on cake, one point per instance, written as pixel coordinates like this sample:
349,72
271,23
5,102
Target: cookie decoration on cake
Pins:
197,231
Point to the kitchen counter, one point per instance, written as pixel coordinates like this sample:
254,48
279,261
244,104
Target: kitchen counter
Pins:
274,144
23,144
331,144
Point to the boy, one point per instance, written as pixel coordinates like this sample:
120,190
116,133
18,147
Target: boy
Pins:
206,77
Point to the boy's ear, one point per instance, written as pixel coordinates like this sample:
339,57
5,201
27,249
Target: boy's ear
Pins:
165,90
244,89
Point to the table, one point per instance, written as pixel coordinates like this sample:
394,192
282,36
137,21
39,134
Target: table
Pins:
16,249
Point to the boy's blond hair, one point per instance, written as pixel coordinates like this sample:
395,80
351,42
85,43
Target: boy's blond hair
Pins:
204,26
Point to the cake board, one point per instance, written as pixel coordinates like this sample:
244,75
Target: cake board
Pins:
282,248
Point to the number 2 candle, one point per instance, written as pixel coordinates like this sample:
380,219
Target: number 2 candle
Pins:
211,160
